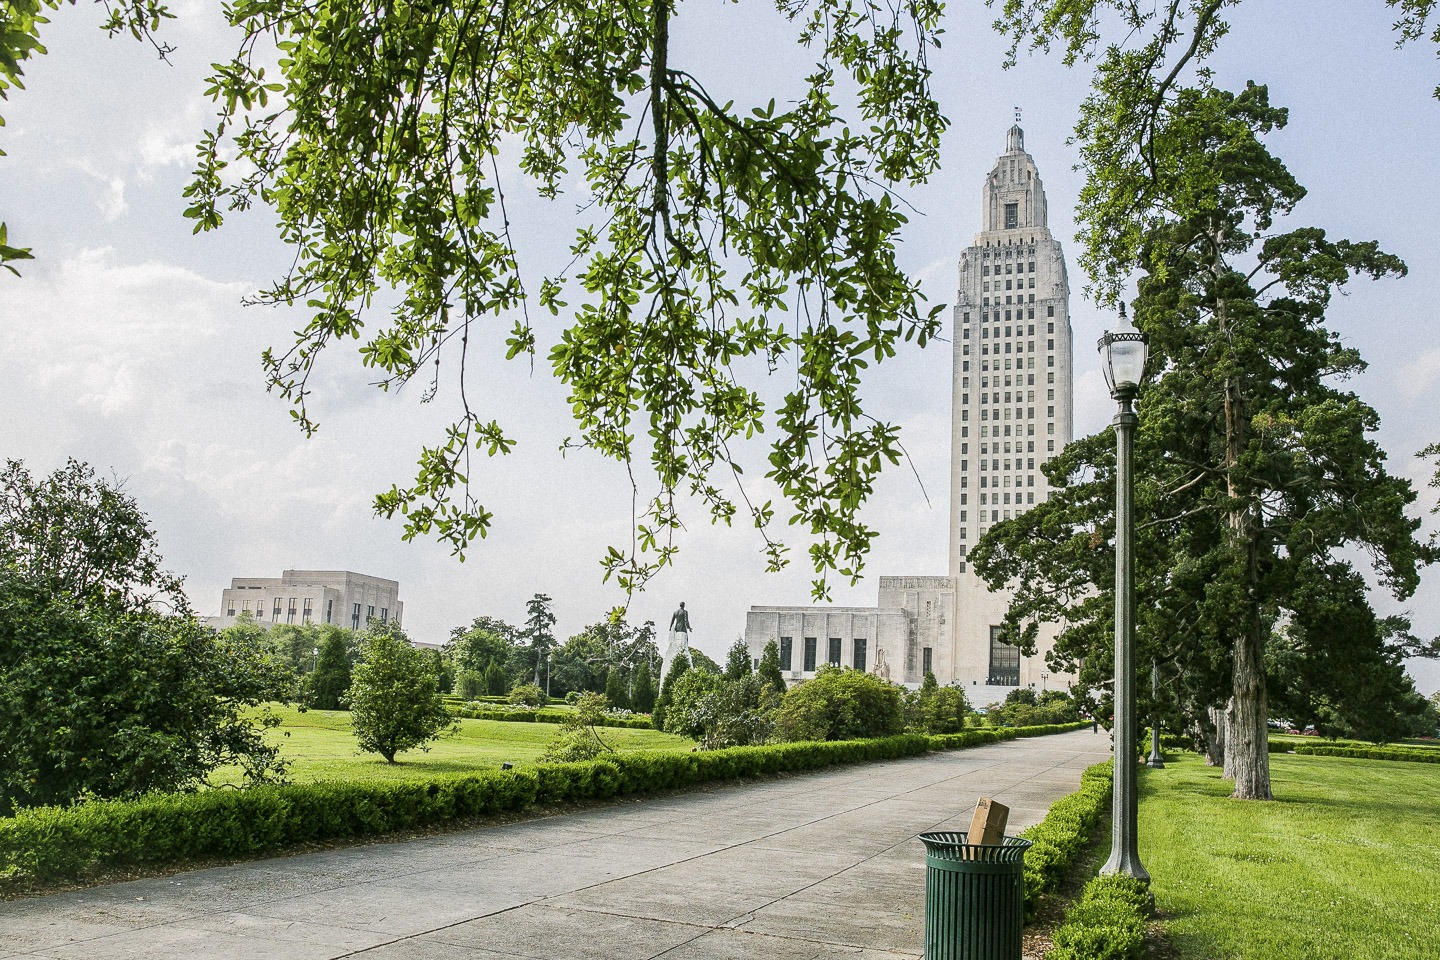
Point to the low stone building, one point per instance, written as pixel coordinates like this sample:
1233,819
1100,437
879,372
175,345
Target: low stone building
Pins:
340,597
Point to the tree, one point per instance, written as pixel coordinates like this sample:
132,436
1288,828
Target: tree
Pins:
769,671
538,626
710,233
615,689
487,640
642,699
395,702
497,684
108,686
840,704
737,660
719,712
1255,472
84,538
678,667
327,687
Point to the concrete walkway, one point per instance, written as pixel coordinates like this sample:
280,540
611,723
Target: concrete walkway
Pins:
816,865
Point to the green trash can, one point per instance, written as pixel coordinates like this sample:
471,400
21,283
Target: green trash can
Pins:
974,897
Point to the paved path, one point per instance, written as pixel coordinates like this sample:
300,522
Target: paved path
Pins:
817,865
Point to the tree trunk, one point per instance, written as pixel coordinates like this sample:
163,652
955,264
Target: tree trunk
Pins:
1247,761
1211,727
1227,756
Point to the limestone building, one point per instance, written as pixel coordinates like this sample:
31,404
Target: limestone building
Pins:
1011,411
340,597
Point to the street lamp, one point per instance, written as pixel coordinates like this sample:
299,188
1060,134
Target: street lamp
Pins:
1156,760
1124,352
315,664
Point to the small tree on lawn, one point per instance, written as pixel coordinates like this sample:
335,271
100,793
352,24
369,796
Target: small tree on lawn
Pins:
642,700
770,667
497,682
330,682
394,697
667,689
579,739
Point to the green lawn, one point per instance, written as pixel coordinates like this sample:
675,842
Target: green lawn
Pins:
320,746
1343,864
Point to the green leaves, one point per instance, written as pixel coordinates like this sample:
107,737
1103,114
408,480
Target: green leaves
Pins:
710,234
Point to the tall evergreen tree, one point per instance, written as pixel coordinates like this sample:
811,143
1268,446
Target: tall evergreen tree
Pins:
1256,473
642,700
737,660
678,669
615,692
330,682
770,667
539,630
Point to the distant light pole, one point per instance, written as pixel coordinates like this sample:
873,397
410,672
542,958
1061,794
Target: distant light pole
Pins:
315,664
1156,760
1124,352
549,666
1044,678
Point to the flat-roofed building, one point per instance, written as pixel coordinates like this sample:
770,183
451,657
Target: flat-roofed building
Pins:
341,597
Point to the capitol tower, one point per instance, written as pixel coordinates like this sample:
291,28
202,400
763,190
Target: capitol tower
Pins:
1012,397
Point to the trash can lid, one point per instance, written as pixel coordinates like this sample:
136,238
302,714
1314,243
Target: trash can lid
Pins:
952,845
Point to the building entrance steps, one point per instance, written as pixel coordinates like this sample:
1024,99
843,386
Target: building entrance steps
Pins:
824,864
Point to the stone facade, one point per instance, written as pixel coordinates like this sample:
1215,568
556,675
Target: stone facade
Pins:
1011,411
340,597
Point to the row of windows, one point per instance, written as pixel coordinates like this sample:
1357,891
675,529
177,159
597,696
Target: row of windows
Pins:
1012,251
1010,285
1011,299
985,431
995,463
1018,381
858,652
1018,267
986,317
1019,330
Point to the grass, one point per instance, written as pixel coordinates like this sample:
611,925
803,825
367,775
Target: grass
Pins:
1342,864
320,746
1292,740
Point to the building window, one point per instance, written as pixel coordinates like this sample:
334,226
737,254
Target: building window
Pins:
927,661
384,614
809,664
230,608
308,612
787,650
275,611
355,616
329,611
369,614
1012,215
858,646
1004,661
834,658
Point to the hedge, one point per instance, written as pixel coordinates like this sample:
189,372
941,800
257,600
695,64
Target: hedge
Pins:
1106,923
530,715
1057,840
1412,754
46,844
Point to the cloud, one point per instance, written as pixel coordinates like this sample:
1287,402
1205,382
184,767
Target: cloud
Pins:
112,205
1419,375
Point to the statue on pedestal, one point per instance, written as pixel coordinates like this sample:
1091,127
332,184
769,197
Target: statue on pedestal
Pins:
679,640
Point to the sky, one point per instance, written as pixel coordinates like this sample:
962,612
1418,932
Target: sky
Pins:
125,343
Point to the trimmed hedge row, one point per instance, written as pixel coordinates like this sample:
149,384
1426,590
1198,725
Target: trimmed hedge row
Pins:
1106,923
47,844
542,716
1057,840
1412,754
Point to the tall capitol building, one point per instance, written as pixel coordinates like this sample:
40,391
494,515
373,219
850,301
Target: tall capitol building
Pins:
1012,393
1011,411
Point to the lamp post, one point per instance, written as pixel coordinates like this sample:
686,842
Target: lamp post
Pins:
1044,678
315,664
1124,352
1156,760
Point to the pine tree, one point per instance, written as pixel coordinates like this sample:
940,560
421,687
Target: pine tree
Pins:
770,667
667,689
737,661
331,680
497,683
642,700
615,690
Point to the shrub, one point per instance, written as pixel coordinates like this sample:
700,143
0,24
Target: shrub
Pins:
497,684
737,660
642,699
578,739
471,684
528,695
47,844
1066,829
840,704
1106,923
944,711
717,712
615,690
770,667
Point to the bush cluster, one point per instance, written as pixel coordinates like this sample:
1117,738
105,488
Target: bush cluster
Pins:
1106,923
1413,754
542,716
44,844
1057,840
